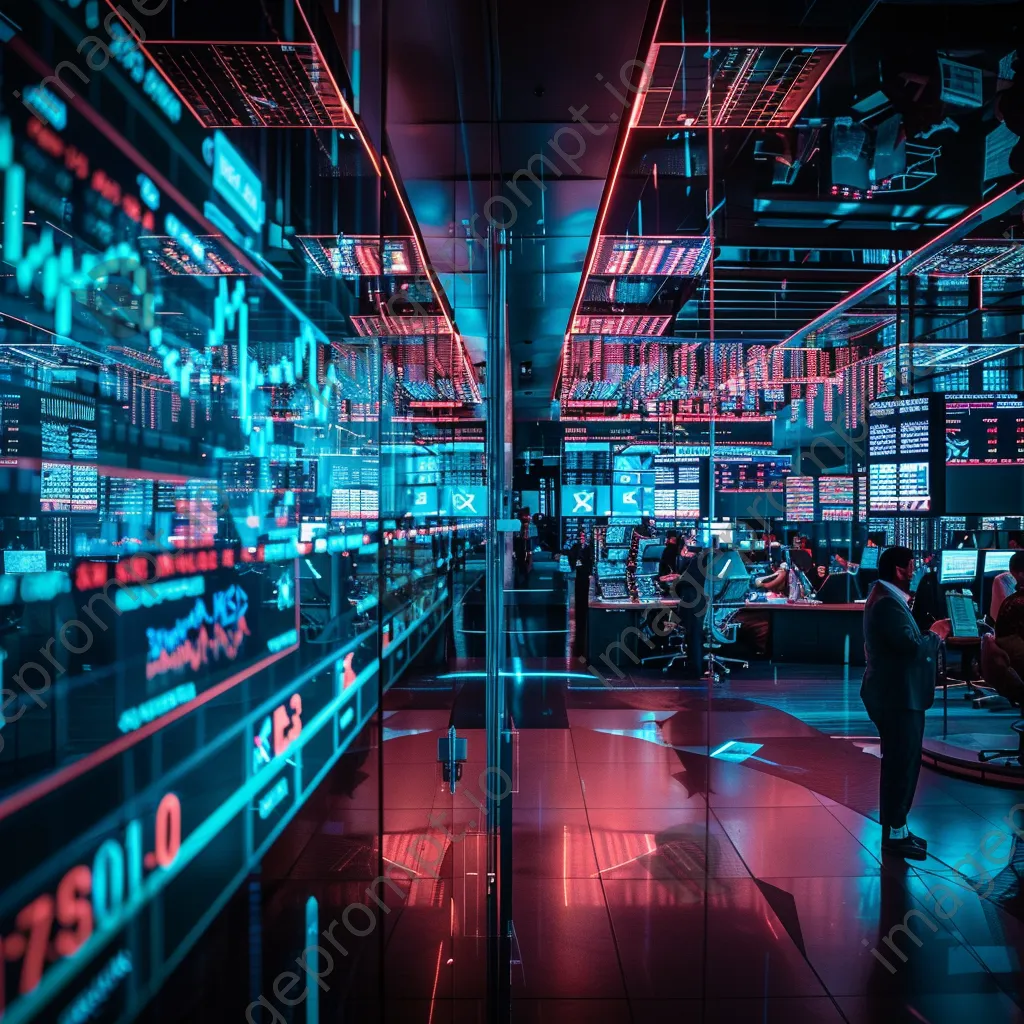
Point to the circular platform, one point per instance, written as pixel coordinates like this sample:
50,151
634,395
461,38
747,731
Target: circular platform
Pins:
957,754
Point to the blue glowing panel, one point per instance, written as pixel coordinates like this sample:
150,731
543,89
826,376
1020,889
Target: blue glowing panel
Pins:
464,502
585,500
237,182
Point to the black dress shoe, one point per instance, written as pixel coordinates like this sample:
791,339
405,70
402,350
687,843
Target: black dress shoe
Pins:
909,848
923,843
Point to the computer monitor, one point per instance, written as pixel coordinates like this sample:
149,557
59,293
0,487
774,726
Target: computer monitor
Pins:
735,591
963,618
958,566
614,588
19,562
869,558
618,554
997,562
615,535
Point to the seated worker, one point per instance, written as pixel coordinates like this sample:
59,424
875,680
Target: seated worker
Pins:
1010,622
1006,583
669,564
802,556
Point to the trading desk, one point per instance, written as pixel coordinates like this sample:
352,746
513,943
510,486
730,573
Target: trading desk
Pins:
809,633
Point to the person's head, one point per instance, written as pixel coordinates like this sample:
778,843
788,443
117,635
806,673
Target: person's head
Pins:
896,566
1017,567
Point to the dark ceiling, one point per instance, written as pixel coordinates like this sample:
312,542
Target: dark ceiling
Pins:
786,251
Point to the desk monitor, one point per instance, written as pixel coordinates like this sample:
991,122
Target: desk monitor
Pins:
614,589
18,562
615,535
958,566
617,555
997,562
734,592
646,587
963,618
869,558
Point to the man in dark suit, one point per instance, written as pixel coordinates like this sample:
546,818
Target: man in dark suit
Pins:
898,687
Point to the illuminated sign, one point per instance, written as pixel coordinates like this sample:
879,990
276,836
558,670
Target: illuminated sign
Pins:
89,897
135,718
200,635
44,104
273,798
237,182
464,501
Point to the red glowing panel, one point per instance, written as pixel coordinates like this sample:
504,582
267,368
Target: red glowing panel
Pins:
173,258
253,85
753,85
624,326
679,256
398,326
360,255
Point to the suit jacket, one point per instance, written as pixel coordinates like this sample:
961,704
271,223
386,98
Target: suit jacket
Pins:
901,661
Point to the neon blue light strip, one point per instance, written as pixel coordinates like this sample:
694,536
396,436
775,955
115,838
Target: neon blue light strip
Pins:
725,746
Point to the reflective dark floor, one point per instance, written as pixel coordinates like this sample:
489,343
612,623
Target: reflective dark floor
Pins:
678,854
653,882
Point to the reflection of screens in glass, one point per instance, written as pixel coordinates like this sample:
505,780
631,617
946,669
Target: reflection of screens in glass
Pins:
24,561
958,566
962,619
997,562
869,558
633,463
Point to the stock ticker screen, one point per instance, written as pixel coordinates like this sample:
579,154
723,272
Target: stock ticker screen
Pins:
905,457
193,478
752,488
984,453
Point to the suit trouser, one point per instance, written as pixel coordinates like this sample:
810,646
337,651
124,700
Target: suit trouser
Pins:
902,733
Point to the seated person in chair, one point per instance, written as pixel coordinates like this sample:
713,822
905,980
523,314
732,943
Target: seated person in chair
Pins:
1010,627
1007,584
998,670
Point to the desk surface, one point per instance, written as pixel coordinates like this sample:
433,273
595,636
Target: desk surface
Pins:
618,606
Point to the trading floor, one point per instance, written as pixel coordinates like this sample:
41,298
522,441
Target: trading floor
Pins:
511,513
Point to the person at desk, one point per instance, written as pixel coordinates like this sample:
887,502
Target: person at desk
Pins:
898,687
581,559
1006,583
801,556
669,563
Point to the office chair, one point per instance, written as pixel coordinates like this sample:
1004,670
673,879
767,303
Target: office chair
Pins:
996,668
719,631
673,649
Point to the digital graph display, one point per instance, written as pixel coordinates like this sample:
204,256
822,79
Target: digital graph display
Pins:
984,430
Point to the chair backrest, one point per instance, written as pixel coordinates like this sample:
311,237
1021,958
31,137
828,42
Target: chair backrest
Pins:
998,672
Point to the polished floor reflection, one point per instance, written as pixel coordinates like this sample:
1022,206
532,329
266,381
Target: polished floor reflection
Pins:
668,865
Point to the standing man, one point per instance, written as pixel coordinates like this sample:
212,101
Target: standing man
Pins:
581,559
898,687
